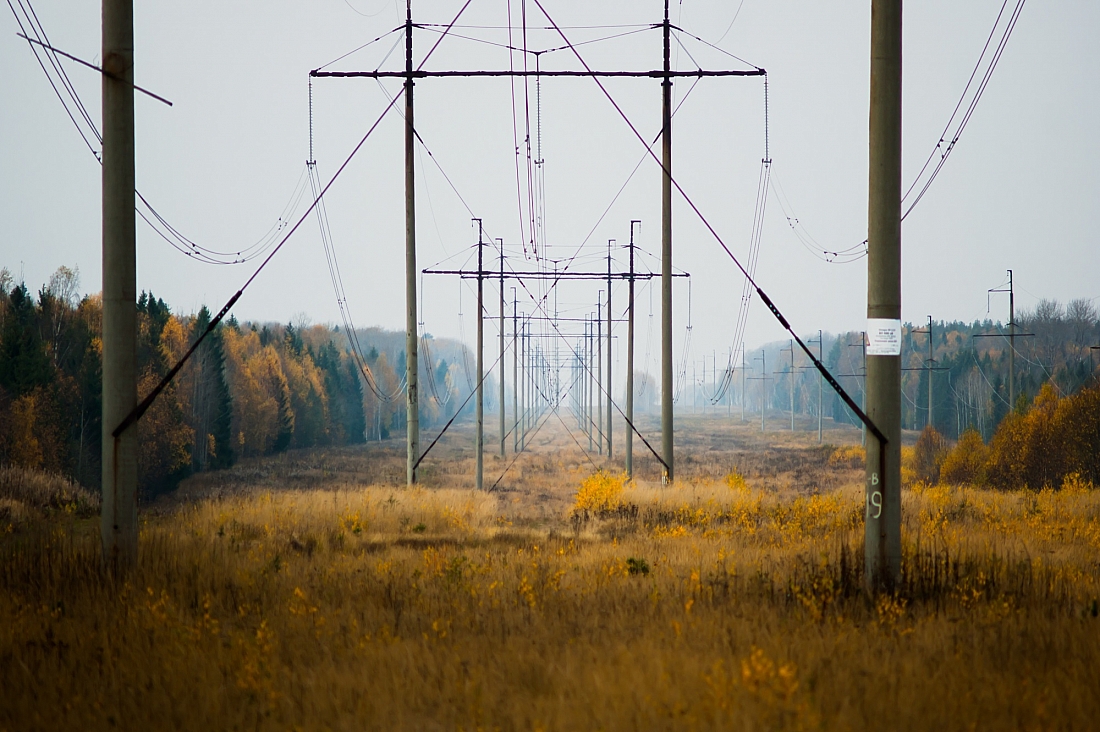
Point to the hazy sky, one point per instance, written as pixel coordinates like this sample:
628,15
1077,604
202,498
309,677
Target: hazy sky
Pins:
1019,191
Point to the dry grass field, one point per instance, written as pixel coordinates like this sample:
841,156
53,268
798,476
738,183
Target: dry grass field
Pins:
314,591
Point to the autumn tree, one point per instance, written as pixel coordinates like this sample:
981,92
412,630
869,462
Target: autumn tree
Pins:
965,464
211,404
29,433
164,439
929,454
345,395
24,363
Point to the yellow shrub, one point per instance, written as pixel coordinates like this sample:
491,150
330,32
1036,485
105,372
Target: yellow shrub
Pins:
736,481
908,466
929,454
1057,437
600,491
965,464
1074,483
848,456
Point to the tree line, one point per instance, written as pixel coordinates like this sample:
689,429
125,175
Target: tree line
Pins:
1052,442
1056,345
251,389
970,367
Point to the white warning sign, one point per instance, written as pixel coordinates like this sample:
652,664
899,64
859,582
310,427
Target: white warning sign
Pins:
883,337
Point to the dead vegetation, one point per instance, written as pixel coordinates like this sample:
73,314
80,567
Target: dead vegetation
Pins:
731,600
24,493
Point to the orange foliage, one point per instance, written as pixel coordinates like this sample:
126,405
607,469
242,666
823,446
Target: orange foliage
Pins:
965,464
164,454
23,446
1055,438
928,456
249,370
1026,450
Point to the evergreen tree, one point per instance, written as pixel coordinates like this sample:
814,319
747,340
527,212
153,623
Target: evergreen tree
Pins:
221,426
293,340
212,406
345,396
157,314
24,363
355,418
286,418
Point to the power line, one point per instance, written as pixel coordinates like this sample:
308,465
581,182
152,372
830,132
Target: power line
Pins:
145,210
141,408
986,76
847,256
763,296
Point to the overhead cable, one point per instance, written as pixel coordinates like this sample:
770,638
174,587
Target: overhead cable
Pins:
763,296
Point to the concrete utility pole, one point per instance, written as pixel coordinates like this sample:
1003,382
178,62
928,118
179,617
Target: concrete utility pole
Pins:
630,362
582,377
882,548
713,381
744,374
1011,343
589,379
931,365
479,418
609,352
729,388
599,370
791,349
515,377
503,430
1011,340
412,390
820,357
863,374
820,400
522,386
590,402
525,346
540,387
118,517
930,369
667,74
763,387
666,257
763,379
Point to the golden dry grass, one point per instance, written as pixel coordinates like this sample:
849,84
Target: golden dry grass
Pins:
24,491
714,604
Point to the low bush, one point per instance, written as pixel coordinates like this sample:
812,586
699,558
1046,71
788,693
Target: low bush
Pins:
929,454
1055,438
600,491
46,491
965,463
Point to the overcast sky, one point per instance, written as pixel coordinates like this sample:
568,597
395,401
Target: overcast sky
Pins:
1019,192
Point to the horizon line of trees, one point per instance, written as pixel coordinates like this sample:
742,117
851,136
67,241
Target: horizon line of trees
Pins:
1052,442
251,389
969,378
1056,344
